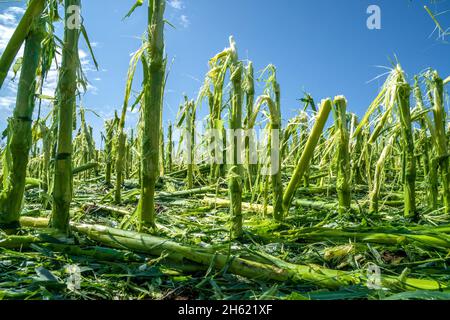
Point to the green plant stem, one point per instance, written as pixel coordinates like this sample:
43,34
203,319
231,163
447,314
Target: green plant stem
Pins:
307,154
15,156
67,86
343,156
21,32
441,140
408,151
235,173
154,71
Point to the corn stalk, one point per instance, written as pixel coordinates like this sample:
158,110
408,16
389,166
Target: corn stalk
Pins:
441,139
377,179
343,157
403,102
16,153
307,154
66,102
154,65
32,13
170,147
235,172
426,125
110,129
249,90
274,139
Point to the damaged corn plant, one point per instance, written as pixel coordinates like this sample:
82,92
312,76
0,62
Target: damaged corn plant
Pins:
229,200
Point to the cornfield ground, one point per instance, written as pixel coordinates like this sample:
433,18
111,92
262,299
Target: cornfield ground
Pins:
359,209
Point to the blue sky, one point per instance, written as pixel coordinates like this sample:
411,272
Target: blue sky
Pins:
321,46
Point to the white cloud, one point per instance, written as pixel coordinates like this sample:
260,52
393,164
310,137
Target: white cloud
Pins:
85,61
12,85
92,89
82,54
9,18
179,5
51,81
7,102
176,4
184,21
5,34
16,10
